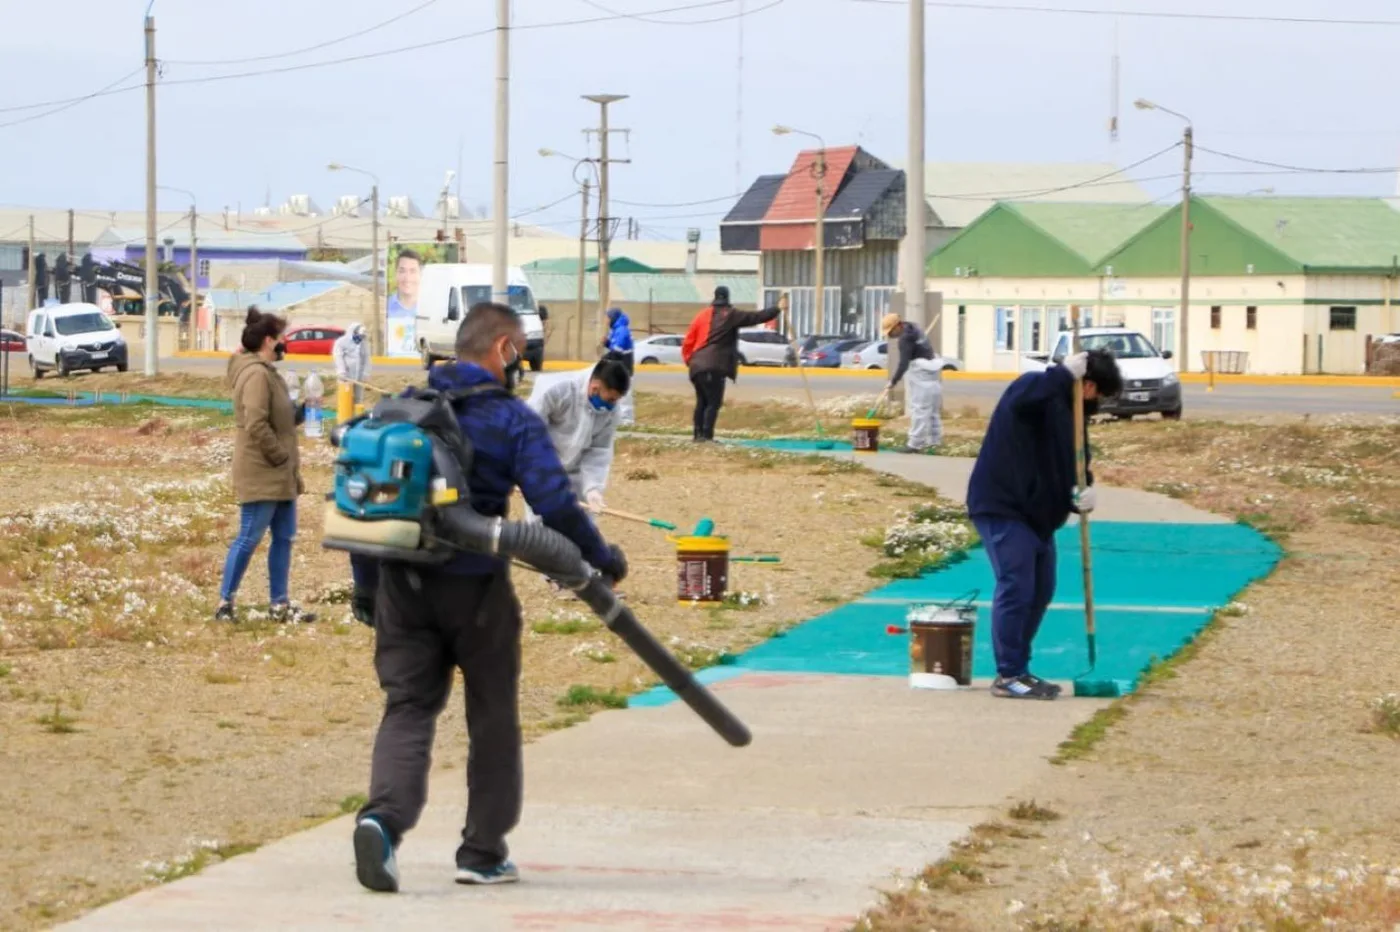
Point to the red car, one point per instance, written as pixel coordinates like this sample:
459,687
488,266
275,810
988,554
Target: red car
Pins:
312,341
11,342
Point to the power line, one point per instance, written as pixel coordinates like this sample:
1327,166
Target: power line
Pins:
712,200
1116,174
1295,168
58,106
645,18
1141,14
310,48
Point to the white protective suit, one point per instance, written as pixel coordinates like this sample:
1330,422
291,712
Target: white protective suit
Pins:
351,358
582,435
925,382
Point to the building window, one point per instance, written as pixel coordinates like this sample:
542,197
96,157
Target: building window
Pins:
1030,329
1251,318
1006,329
1215,317
1058,321
1164,328
1342,318
203,268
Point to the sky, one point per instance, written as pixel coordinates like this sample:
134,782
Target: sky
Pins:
1002,85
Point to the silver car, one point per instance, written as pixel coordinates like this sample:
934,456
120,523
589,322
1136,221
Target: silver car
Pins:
659,349
759,346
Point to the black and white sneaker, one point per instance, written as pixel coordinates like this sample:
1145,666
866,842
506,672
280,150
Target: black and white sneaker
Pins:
1024,686
1053,687
289,614
375,865
224,612
504,872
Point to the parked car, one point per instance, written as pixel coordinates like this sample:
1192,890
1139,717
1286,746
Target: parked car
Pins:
312,341
11,342
661,349
759,346
814,340
875,355
66,337
1150,384
828,355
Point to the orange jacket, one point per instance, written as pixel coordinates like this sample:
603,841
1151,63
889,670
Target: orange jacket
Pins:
698,333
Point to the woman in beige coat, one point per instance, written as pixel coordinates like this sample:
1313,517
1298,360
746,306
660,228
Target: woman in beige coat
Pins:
266,465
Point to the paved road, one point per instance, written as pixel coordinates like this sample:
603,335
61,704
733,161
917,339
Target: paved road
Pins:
1248,400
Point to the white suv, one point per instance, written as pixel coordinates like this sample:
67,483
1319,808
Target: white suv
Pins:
759,346
1150,383
66,337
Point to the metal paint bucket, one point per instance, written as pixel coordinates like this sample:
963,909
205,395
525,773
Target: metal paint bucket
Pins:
865,435
940,645
702,569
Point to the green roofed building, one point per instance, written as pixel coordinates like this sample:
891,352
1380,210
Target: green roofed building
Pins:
1282,285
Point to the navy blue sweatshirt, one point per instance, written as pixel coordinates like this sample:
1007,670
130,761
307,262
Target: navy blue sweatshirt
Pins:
1025,469
512,449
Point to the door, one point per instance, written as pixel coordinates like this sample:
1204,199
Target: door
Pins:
962,333
47,351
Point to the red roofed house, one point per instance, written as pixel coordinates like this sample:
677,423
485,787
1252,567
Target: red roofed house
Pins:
864,223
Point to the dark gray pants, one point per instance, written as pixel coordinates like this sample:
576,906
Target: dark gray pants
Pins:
426,625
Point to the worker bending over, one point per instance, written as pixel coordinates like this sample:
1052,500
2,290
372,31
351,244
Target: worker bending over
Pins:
1022,490
351,355
925,383
429,621
580,411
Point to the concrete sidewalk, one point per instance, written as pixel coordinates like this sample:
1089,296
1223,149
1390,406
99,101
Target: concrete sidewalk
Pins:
644,820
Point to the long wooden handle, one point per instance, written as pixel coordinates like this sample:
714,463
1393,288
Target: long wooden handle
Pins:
811,402
640,519
373,388
1081,469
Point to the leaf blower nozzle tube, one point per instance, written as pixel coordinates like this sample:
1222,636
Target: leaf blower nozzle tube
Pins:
558,558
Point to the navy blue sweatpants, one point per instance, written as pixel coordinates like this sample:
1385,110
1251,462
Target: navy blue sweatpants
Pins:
1024,566
365,572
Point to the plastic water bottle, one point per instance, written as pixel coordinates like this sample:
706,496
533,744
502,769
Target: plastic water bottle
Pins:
315,392
293,384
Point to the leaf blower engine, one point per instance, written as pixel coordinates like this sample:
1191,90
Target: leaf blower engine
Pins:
401,496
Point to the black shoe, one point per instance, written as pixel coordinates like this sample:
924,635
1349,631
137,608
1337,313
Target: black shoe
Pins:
1053,687
375,865
504,872
287,613
224,612
1023,687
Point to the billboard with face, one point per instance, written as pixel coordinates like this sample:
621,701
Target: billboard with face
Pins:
405,274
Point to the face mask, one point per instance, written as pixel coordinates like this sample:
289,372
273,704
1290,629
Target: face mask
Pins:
1091,407
599,404
358,338
279,351
510,372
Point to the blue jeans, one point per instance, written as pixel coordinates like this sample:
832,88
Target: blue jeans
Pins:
255,520
1024,566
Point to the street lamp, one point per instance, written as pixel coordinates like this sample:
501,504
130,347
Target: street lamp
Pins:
378,338
582,248
1188,145
194,259
819,314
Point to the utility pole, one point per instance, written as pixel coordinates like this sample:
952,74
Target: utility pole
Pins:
71,250
194,274
501,206
582,269
914,244
377,341
604,224
33,290
152,260
819,243
1188,144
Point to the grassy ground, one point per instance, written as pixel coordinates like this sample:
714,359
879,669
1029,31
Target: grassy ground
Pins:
1250,784
142,742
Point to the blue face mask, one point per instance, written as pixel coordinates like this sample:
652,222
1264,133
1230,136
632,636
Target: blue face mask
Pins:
358,338
599,404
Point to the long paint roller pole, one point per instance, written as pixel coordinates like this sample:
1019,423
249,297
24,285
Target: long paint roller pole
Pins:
878,401
1082,477
812,403
640,519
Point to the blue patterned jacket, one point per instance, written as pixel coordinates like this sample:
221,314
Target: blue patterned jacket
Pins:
513,449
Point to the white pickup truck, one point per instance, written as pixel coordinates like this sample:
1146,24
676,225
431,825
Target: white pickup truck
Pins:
1150,383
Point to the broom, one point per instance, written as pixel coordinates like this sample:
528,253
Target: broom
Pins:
1082,477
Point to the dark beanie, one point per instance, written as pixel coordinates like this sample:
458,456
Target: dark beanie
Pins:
721,296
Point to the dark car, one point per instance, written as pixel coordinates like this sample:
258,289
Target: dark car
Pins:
812,341
828,355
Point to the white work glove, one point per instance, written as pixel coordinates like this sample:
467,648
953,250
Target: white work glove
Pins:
1085,500
1078,364
594,500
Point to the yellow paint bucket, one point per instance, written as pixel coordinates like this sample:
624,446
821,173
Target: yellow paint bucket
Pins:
865,435
702,569
344,402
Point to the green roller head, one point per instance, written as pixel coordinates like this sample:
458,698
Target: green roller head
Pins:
1094,688
704,528
663,525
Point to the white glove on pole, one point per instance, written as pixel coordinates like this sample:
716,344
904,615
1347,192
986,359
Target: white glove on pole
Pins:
1085,500
1078,364
594,500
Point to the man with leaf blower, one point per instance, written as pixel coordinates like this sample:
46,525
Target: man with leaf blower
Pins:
1022,490
430,620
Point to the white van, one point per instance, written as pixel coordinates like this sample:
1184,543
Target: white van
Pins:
448,291
67,337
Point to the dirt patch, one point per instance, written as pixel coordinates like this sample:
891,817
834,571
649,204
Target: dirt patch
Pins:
143,742
1251,787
